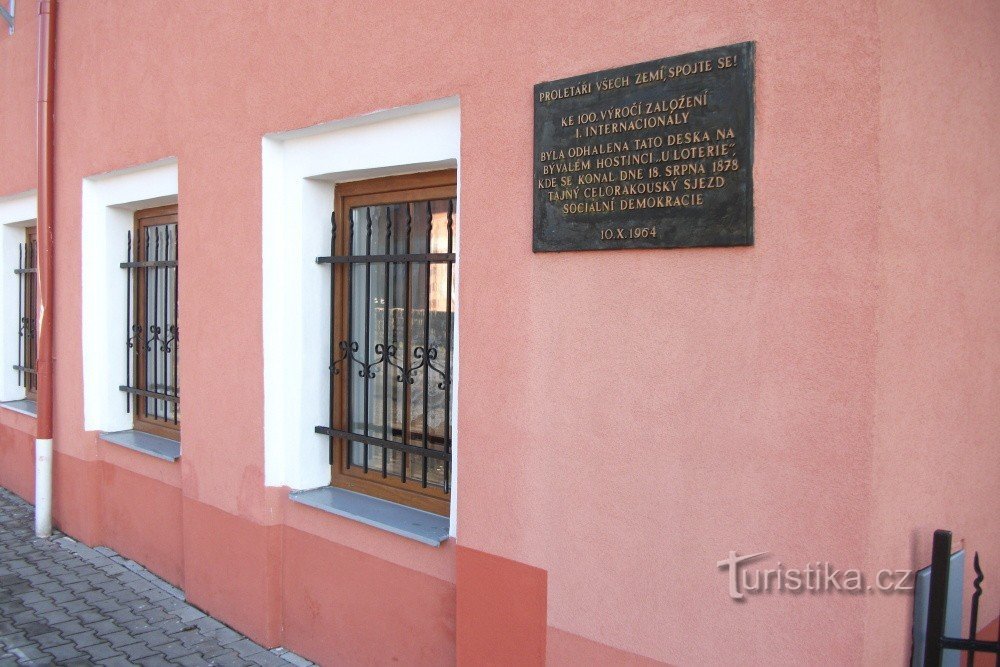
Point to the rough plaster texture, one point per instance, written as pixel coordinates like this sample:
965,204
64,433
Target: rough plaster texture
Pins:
627,417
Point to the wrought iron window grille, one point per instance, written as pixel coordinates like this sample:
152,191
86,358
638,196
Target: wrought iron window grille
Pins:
152,336
27,304
937,642
391,336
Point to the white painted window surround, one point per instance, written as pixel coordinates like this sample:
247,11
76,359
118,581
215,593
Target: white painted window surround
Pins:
300,171
16,213
110,201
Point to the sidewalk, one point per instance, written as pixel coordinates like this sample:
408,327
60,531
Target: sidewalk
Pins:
63,603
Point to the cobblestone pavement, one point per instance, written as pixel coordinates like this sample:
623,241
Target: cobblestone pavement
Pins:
62,603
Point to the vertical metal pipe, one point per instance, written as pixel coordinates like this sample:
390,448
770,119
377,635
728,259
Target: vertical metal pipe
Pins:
45,232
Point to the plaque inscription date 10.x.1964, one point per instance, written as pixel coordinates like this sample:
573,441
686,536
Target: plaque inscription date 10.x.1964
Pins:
655,155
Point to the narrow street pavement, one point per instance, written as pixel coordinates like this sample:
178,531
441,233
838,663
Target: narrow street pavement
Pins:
62,603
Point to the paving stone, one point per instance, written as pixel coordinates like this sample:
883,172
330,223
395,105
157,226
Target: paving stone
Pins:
35,628
63,596
208,649
65,652
120,638
63,603
226,635
137,626
32,655
137,651
174,650
14,640
103,627
70,627
56,617
89,616
267,659
189,614
295,659
84,639
246,647
154,638
101,651
48,639
227,660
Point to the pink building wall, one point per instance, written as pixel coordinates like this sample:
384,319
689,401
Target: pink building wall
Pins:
626,418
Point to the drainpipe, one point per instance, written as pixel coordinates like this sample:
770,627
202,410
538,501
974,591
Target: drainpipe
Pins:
43,433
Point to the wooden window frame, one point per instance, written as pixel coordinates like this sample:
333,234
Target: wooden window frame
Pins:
441,184
161,215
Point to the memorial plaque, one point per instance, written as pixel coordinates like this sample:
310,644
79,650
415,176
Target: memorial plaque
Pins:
655,155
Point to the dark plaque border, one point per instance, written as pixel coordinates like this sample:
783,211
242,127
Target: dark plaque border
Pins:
726,218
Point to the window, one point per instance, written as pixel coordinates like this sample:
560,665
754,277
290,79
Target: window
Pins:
27,296
392,304
152,338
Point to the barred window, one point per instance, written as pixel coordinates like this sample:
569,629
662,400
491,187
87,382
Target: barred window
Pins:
151,389
27,304
392,307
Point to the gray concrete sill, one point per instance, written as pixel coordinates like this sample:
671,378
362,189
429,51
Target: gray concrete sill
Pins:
405,521
153,445
24,406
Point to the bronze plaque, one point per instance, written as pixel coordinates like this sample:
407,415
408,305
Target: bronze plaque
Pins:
655,155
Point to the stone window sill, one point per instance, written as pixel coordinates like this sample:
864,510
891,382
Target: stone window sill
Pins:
25,406
405,521
153,445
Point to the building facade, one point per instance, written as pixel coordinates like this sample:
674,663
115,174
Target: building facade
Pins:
547,454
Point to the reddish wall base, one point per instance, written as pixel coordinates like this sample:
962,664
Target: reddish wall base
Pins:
232,570
565,649
17,460
76,498
345,607
143,521
501,611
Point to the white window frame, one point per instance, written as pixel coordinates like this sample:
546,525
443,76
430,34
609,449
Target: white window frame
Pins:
110,201
300,171
17,213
